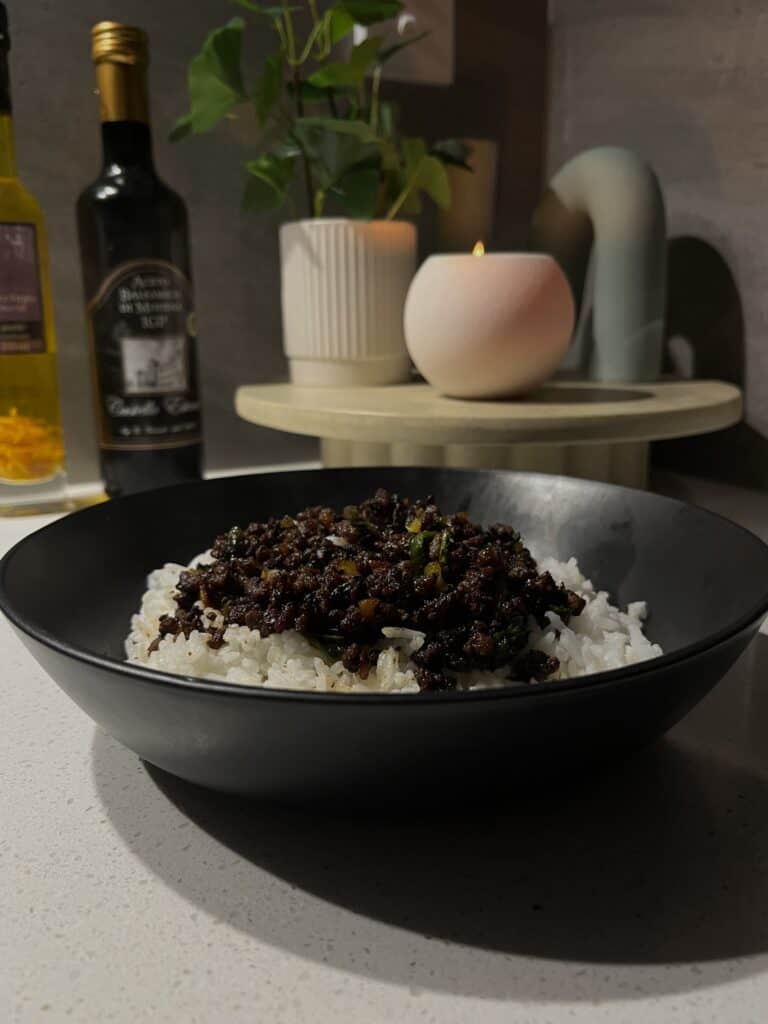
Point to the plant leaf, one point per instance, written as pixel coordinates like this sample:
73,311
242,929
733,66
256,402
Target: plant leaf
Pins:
336,75
261,195
209,99
451,151
414,151
390,51
412,205
269,176
427,175
269,87
358,191
340,24
181,128
311,93
387,120
359,129
366,53
352,72
431,177
390,158
286,149
223,50
403,190
214,80
334,146
368,12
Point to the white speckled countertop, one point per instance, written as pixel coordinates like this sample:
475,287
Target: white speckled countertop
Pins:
129,896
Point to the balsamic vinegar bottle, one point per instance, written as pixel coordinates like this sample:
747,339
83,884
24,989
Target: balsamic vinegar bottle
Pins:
136,274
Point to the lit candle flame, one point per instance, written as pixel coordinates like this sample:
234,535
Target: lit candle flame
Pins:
479,249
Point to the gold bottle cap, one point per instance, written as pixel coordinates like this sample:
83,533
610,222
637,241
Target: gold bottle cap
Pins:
123,44
121,54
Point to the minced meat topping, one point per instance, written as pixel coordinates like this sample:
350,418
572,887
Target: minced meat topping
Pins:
340,577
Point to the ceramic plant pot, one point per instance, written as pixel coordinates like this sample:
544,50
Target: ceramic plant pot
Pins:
492,326
344,284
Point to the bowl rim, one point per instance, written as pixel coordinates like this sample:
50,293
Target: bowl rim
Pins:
626,674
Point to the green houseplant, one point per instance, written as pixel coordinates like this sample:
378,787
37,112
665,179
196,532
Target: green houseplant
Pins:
329,147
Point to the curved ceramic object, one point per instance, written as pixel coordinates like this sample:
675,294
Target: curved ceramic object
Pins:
491,326
610,197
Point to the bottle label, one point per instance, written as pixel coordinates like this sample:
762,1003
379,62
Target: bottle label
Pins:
142,329
21,303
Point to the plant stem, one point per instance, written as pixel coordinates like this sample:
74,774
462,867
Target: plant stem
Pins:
290,36
325,45
308,184
311,40
292,63
375,89
394,209
409,186
278,23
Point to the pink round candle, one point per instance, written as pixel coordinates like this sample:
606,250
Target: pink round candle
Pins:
488,326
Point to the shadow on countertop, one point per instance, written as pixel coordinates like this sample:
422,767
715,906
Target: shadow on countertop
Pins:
659,870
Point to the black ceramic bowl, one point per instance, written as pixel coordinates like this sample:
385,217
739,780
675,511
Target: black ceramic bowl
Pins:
70,590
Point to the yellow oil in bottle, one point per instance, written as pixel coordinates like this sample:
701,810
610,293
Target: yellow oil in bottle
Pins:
31,446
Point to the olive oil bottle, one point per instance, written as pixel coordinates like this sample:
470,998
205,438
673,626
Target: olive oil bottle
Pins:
31,447
136,273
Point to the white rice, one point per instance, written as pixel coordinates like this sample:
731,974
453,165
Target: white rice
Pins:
602,637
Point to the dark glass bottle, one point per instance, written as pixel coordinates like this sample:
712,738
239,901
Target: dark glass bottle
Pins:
136,274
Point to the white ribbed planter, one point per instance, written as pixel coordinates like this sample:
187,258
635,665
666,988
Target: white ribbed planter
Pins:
344,284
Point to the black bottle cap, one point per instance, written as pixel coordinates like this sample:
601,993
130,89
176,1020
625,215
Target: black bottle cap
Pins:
5,39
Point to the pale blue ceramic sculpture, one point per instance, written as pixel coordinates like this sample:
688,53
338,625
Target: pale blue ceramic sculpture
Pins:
606,203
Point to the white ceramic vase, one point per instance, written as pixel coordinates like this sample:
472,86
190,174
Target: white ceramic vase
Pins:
344,284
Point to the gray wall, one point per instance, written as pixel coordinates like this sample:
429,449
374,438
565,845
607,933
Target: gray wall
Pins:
234,257
684,82
500,91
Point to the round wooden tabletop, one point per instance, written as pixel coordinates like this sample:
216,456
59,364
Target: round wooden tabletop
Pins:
562,412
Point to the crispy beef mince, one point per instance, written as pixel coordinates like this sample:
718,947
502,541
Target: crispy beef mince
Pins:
338,578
